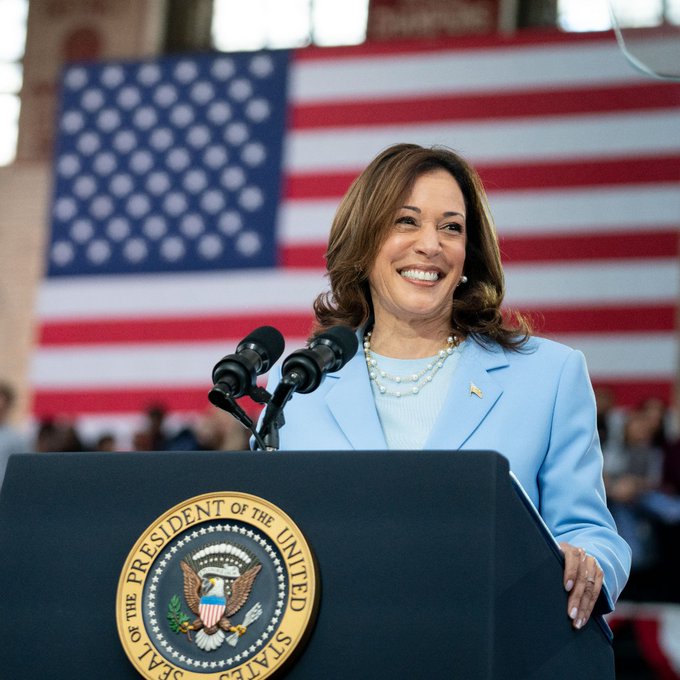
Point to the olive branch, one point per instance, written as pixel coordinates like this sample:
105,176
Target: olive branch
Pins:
176,618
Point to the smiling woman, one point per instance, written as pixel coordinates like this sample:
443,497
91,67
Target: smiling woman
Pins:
420,262
414,269
417,210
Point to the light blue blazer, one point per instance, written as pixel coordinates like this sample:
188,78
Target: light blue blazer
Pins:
535,407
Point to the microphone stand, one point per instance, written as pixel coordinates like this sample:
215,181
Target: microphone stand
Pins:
222,399
273,419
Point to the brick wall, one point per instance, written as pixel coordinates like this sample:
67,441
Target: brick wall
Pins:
58,30
23,196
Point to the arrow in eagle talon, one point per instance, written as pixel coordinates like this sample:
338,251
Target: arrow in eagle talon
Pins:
253,615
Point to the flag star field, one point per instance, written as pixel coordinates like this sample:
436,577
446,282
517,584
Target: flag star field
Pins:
169,166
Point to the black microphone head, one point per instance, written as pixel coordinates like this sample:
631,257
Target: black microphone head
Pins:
254,355
343,341
327,352
268,342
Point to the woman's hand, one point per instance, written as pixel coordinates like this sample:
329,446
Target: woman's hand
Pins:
583,581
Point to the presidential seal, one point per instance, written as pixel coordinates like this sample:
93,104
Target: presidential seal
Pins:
222,586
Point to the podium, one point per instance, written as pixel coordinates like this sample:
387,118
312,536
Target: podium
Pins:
431,564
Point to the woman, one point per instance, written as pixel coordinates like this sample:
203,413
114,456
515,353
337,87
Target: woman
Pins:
414,267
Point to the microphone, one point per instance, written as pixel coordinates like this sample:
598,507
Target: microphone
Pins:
303,372
235,375
327,352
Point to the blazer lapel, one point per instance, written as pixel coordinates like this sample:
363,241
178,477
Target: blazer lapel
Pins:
351,402
473,393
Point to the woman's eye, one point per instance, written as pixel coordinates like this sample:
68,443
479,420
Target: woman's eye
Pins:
452,226
406,219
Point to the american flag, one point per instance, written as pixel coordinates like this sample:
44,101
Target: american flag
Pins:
193,198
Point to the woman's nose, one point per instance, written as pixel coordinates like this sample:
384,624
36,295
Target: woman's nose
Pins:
428,240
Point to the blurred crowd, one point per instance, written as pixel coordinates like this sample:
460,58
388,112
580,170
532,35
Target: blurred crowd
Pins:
641,448
212,430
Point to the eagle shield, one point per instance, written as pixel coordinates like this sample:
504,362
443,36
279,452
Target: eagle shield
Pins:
210,609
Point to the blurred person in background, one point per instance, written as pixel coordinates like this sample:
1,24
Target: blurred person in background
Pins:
106,442
631,470
153,436
156,415
47,436
71,440
11,439
58,436
610,418
654,409
213,430
642,477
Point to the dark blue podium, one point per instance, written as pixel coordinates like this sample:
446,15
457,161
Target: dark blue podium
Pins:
430,563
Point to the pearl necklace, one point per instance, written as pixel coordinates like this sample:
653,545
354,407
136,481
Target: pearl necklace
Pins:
412,383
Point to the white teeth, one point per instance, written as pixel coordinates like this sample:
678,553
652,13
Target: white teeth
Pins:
419,275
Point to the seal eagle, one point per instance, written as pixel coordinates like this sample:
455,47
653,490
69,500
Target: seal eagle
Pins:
214,602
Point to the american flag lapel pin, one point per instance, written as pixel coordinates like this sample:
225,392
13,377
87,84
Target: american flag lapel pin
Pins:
475,390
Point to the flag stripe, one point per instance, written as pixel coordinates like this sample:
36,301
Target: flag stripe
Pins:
491,105
591,137
129,403
592,173
627,354
375,72
227,327
133,400
164,364
631,354
648,244
613,246
270,292
631,393
510,177
230,329
607,320
589,284
531,285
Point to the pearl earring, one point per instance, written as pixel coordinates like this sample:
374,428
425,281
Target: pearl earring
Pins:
463,279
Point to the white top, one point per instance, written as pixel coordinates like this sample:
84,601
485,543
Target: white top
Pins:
408,420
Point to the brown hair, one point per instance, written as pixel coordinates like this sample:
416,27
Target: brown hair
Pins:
363,221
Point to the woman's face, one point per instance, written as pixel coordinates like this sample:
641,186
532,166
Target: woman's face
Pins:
421,261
